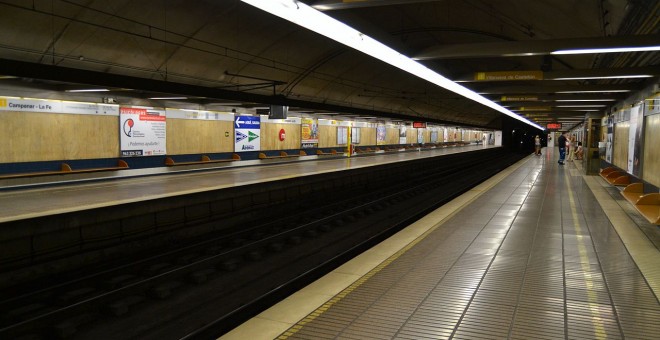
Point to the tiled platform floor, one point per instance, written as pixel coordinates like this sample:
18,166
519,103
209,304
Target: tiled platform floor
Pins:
534,257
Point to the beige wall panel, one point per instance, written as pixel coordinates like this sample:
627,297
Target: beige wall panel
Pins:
368,136
270,133
186,136
411,136
328,136
651,160
32,137
391,136
620,148
427,136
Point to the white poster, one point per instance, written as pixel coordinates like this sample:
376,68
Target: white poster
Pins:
420,136
247,130
142,131
402,134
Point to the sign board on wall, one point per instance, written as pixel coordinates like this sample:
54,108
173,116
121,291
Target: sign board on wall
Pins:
309,133
381,134
142,131
247,130
553,126
402,134
56,106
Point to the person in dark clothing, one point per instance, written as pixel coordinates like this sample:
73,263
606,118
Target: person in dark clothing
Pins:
561,142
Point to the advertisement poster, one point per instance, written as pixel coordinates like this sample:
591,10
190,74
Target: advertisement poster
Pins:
420,136
342,135
355,135
402,134
381,133
247,130
434,136
610,139
635,146
142,131
309,133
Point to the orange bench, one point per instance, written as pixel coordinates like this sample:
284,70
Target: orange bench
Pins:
205,160
283,154
649,206
615,176
332,152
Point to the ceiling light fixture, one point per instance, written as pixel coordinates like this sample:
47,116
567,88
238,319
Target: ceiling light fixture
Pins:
585,100
88,90
607,77
581,106
596,91
307,17
168,98
608,50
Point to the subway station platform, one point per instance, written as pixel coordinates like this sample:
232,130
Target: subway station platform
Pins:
539,251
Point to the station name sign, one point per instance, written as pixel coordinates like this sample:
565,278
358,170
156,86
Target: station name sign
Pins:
553,126
418,125
508,75
519,98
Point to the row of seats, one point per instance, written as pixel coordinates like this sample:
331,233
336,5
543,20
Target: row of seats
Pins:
648,204
65,168
204,160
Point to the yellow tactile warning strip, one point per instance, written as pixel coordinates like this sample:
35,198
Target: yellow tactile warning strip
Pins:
465,199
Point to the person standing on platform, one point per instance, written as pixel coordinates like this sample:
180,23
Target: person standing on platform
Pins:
571,148
561,142
537,145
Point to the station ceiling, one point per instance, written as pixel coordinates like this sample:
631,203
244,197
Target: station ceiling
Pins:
225,52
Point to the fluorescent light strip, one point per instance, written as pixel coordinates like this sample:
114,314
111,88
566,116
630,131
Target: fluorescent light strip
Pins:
88,90
585,100
168,98
581,106
608,50
305,16
607,77
599,91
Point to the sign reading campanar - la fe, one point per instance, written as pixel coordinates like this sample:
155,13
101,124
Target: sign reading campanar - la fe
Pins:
246,133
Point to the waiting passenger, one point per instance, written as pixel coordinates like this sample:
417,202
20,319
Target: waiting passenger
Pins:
579,152
537,145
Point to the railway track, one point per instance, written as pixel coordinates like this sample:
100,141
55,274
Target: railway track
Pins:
204,288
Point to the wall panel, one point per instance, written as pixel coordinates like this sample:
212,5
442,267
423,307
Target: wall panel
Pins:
391,136
368,136
270,133
328,136
33,137
651,160
620,148
189,136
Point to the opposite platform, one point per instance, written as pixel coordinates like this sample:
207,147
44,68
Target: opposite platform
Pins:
527,255
46,201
